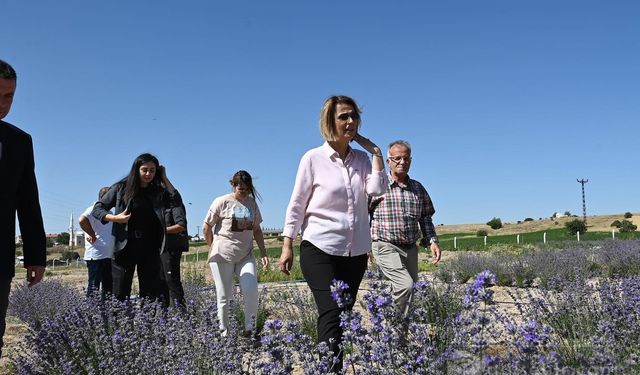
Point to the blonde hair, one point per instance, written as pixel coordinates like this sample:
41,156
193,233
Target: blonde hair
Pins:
328,115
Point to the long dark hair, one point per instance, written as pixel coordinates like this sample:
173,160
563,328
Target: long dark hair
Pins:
243,177
132,181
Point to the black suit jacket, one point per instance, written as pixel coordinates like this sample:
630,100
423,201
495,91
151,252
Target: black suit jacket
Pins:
19,193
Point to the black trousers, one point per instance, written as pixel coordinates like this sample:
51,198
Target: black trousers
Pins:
146,258
319,269
5,288
172,291
100,275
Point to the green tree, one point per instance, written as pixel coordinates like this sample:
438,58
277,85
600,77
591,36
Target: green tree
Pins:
495,223
575,226
63,238
627,226
628,215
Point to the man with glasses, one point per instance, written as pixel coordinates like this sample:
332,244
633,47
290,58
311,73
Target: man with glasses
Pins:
397,219
19,193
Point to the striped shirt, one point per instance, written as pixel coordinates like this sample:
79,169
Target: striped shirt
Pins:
402,214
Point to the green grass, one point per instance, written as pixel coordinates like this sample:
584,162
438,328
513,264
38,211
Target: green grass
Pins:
468,241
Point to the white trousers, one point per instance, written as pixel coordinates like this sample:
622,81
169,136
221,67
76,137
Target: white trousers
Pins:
223,278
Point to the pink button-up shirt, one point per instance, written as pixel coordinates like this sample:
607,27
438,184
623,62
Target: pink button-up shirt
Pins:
329,201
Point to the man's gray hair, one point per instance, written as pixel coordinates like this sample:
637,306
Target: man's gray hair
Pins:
399,142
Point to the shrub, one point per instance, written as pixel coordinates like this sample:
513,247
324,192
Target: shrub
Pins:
69,255
481,233
495,223
575,226
528,219
628,215
627,226
616,223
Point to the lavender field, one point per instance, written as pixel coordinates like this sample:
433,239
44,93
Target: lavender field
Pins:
577,311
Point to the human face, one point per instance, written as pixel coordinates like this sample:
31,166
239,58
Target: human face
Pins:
241,191
7,90
147,173
399,161
347,121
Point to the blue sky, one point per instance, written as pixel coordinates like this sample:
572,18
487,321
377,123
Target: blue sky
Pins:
506,103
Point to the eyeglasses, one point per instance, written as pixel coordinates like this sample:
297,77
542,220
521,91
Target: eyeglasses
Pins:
355,116
398,159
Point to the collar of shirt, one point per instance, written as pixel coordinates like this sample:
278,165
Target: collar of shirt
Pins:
333,154
393,182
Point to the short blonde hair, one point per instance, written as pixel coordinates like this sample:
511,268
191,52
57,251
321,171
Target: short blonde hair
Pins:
328,115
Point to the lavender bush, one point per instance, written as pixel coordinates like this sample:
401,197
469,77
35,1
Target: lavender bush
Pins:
577,325
594,259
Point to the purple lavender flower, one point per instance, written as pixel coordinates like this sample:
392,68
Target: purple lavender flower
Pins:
340,294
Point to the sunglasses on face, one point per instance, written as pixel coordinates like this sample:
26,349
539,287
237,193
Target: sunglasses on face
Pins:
346,115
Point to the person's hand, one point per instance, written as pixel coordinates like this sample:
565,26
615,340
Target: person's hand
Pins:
286,260
436,253
34,275
90,239
122,217
367,144
265,262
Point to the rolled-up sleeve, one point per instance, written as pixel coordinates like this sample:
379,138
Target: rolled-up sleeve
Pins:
376,183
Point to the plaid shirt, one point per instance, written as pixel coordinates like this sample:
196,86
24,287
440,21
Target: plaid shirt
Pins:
402,213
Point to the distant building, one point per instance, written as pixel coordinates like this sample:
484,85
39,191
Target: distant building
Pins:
78,240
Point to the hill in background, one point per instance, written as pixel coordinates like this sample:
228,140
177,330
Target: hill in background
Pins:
595,223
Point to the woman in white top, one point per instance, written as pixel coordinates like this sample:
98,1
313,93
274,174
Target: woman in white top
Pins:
232,223
329,205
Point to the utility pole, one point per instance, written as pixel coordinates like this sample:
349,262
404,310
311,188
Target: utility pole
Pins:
198,233
584,204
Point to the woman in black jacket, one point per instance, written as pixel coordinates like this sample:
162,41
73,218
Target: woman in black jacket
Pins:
139,228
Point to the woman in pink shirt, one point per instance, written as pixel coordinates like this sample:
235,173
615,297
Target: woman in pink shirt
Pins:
329,205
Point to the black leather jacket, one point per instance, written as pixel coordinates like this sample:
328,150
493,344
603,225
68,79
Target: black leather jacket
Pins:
114,198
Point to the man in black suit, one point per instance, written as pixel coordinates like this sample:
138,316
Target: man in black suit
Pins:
18,193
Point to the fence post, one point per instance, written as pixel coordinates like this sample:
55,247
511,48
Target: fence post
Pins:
544,237
485,240
197,254
455,242
518,239
53,264
613,234
578,235
77,262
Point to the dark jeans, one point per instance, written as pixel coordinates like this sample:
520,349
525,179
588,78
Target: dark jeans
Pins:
147,260
172,291
5,288
100,274
319,269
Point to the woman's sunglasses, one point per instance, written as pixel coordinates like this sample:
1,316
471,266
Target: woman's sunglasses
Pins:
346,115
